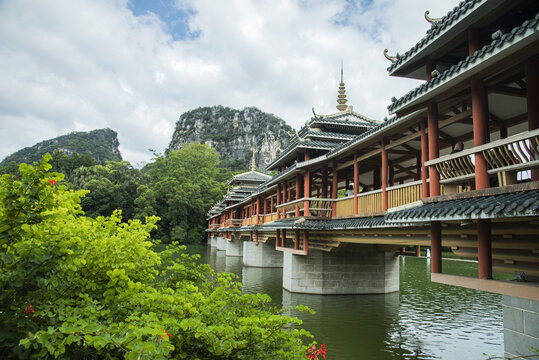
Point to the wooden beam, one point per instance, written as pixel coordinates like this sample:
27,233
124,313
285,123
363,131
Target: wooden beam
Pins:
507,90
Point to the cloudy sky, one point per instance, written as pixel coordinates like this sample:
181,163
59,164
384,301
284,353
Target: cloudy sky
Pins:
136,65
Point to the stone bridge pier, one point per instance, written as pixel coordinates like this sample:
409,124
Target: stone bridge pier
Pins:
213,240
221,243
349,269
234,246
261,255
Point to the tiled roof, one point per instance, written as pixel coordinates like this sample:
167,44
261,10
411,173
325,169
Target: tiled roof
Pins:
518,204
346,118
327,134
340,224
282,175
250,176
307,144
505,40
451,18
343,224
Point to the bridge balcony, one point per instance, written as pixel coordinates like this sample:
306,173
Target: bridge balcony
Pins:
505,157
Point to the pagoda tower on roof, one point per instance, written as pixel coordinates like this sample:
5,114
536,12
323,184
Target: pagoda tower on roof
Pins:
341,98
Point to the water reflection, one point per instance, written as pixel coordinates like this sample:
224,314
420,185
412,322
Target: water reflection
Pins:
352,327
424,320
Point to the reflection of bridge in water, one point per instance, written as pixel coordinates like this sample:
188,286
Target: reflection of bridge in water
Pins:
351,191
424,320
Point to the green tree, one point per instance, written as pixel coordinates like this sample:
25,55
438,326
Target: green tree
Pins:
185,184
75,287
112,187
65,164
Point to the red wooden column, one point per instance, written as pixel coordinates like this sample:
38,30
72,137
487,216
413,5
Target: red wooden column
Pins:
277,237
278,200
384,175
424,158
481,135
480,130
256,237
257,210
271,205
484,249
434,150
334,186
306,241
306,186
356,183
283,199
298,191
435,226
474,42
265,209
283,239
325,181
418,250
532,100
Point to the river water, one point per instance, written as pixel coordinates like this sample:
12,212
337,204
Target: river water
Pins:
424,320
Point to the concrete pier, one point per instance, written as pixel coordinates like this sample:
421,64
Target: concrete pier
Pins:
221,243
234,247
213,241
261,255
351,269
520,326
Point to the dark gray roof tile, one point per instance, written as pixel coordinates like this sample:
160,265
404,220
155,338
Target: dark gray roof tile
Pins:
518,204
507,38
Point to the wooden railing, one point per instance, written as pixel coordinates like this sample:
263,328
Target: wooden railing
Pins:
317,207
369,202
514,153
400,195
250,221
233,222
345,206
270,217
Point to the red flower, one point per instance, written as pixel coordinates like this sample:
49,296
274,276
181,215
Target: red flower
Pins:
161,336
52,182
29,309
313,352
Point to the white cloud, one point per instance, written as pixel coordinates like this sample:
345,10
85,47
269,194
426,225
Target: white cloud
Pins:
80,65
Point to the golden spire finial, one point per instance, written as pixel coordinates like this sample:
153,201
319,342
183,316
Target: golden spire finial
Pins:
341,98
253,162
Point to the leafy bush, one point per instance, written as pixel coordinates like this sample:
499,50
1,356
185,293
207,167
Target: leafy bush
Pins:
74,287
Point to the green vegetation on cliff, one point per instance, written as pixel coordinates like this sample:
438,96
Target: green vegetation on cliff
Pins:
101,145
235,134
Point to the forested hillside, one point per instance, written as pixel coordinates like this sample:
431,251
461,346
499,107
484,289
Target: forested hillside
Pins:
101,145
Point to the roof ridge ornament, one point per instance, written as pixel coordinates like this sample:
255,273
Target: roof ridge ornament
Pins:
341,98
393,59
433,21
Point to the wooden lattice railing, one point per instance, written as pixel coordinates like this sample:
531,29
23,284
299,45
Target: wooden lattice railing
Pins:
515,153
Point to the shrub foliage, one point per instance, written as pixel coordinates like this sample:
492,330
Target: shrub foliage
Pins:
75,287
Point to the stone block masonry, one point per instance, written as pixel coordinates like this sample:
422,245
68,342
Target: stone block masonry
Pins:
521,326
261,255
350,269
213,241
